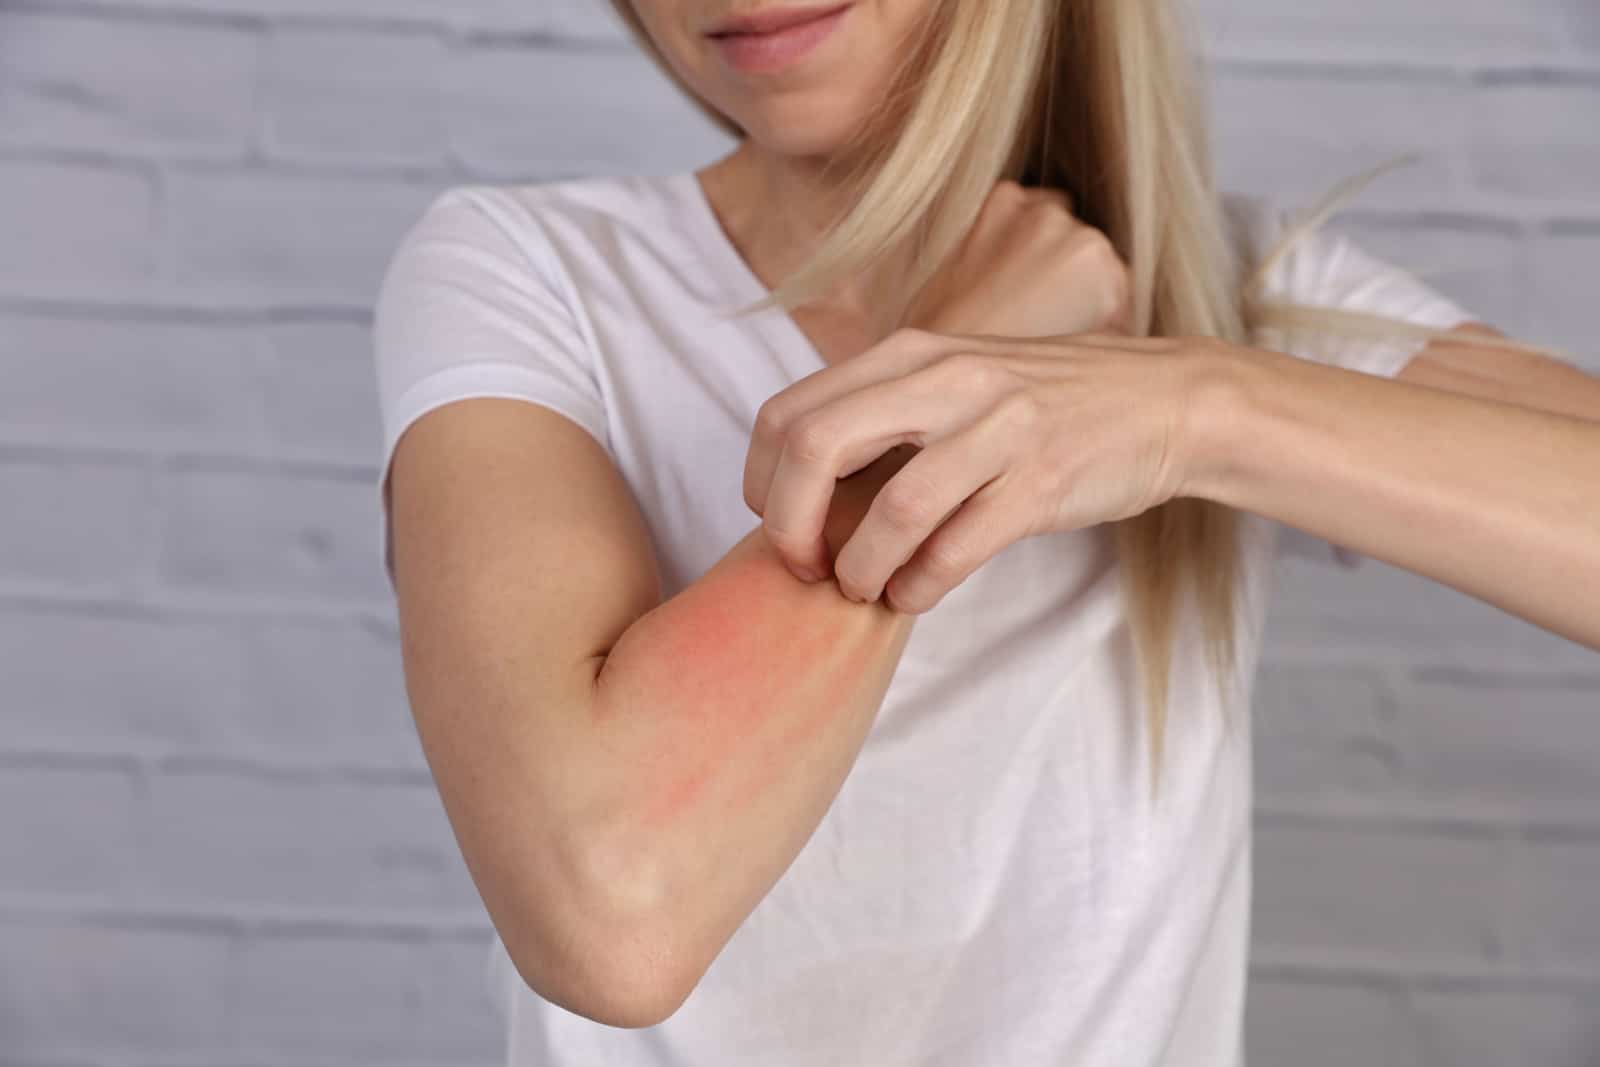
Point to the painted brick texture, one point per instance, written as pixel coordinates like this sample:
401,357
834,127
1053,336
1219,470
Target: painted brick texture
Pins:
219,840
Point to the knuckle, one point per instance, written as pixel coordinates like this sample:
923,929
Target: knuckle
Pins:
901,594
912,339
948,558
1017,409
1052,198
971,371
1093,243
906,503
788,542
770,418
846,573
1109,249
807,440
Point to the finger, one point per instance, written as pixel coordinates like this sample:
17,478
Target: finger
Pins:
932,487
979,529
851,431
897,355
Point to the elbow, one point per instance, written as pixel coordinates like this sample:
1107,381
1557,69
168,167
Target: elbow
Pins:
616,987
625,974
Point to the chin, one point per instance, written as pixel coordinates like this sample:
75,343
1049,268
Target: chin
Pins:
798,127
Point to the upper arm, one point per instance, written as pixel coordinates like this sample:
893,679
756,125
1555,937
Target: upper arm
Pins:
518,555
519,558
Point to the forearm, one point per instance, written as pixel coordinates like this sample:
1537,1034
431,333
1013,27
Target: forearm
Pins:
729,717
1499,501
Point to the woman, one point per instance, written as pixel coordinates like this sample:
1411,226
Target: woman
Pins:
981,794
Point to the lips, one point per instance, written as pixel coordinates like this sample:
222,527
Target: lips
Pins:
772,51
772,20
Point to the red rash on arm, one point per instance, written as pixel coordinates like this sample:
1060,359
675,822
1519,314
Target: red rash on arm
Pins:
717,660
720,727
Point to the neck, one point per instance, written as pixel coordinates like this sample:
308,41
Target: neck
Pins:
776,209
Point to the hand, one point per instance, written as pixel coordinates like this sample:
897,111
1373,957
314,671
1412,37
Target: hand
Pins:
1026,268
1018,436
853,496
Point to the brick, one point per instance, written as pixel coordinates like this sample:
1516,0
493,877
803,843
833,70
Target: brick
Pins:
156,684
1467,31
288,535
1563,294
1582,31
1558,878
1268,142
1384,614
264,239
1492,1027
1517,747
1320,735
630,118
331,995
79,81
584,20
1380,896
459,1014
235,155
72,227
319,391
68,829
222,839
500,15
354,94
1535,141
328,691
1322,1024
74,522
109,988
132,383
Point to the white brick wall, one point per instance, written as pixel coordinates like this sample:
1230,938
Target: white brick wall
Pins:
220,842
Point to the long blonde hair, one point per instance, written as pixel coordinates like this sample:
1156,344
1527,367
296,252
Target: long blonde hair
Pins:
1104,99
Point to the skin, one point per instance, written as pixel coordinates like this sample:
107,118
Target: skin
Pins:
718,650
773,198
1474,467
772,193
727,717
972,491
716,658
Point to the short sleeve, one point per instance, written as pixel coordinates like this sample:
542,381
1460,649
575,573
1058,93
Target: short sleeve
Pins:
1327,269
473,303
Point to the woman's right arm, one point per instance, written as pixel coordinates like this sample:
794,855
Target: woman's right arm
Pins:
626,777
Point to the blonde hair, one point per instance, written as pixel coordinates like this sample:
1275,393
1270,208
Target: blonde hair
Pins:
1103,99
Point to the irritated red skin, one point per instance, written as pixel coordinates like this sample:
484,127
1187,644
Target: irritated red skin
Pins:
718,663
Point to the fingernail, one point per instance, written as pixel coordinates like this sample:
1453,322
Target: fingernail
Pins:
804,573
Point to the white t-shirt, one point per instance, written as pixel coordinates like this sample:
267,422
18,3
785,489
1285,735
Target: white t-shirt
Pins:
991,884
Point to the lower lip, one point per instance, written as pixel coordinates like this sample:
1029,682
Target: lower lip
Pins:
762,52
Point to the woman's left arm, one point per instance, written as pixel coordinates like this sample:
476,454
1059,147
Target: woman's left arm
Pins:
1477,467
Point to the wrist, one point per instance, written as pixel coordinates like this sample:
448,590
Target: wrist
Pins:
1217,419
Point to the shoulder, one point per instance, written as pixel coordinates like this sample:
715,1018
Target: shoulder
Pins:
528,212
1256,225
568,233
1324,267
